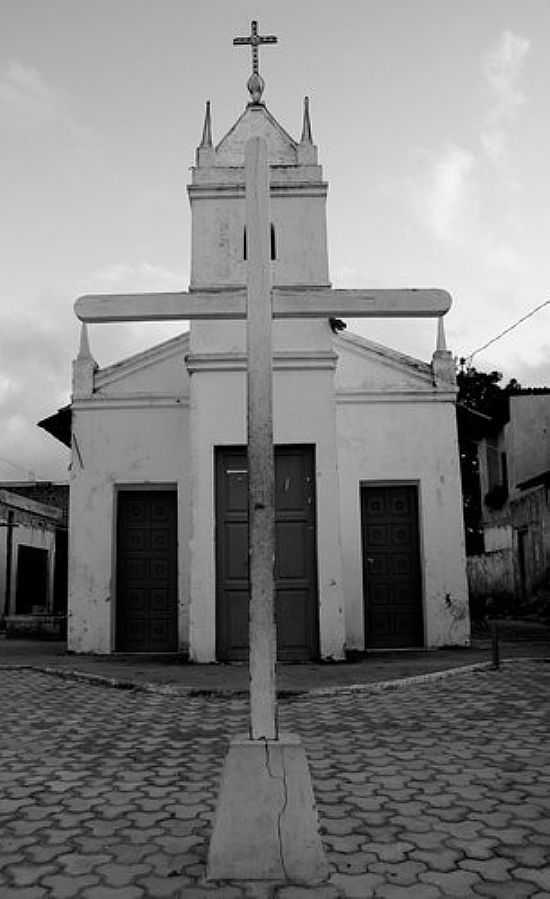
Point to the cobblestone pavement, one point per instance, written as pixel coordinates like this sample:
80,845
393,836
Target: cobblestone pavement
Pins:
438,789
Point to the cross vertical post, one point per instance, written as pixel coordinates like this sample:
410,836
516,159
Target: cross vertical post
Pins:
261,473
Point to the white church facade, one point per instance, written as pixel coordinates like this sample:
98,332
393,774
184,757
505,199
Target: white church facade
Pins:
370,548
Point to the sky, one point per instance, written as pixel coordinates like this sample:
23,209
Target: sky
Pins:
431,119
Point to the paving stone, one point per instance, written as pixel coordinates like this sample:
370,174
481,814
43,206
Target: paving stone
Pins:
539,876
402,873
529,856
339,827
160,887
27,874
350,863
318,892
508,889
357,886
103,892
118,875
220,892
455,883
165,865
417,891
23,893
75,863
481,848
349,843
63,886
490,869
437,859
389,852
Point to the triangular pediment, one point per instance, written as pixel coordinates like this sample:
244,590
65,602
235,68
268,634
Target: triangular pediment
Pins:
256,121
367,366
157,371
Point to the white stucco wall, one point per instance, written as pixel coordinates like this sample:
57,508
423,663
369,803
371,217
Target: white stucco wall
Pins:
119,446
303,413
412,442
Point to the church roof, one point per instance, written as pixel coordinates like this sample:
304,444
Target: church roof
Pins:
256,121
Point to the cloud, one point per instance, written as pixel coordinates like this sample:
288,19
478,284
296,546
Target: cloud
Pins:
444,198
502,67
142,276
26,99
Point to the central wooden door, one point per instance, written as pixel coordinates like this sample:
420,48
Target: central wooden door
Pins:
391,566
295,556
147,589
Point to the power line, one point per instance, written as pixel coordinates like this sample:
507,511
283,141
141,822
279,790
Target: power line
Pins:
506,331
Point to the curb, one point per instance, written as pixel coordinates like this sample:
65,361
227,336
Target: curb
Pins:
314,692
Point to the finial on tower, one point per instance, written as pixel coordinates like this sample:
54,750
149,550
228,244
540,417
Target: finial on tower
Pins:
441,341
306,137
306,149
205,153
84,367
84,348
255,83
206,140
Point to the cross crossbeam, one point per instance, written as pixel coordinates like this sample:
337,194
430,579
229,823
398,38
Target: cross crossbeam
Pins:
286,303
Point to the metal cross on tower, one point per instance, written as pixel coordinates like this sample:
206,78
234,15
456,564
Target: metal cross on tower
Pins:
255,83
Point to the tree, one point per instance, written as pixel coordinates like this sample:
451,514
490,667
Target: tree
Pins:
482,409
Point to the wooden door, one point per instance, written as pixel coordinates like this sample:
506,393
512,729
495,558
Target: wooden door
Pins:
391,566
295,557
147,594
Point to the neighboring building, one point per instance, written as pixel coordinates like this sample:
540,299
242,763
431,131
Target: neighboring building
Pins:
369,522
514,466
33,558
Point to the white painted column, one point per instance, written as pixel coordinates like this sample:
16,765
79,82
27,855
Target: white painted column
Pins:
261,469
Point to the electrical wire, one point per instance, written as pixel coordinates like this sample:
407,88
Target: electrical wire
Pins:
506,330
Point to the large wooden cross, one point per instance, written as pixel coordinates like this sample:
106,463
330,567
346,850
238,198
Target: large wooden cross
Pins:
259,303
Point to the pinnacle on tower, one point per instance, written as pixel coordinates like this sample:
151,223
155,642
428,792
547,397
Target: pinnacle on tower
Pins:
306,137
307,151
207,128
205,150
84,354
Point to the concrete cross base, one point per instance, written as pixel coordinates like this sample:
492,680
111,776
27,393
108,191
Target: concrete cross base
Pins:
266,822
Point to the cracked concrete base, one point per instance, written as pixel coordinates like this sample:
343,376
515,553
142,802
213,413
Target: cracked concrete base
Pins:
266,822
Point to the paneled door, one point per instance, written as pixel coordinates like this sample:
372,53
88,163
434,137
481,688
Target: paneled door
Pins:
295,556
147,593
391,566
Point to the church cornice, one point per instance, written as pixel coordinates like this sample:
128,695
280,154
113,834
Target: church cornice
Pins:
295,361
99,403
213,191
397,395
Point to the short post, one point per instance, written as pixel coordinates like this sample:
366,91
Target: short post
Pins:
494,644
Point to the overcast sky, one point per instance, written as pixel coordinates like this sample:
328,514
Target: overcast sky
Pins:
432,123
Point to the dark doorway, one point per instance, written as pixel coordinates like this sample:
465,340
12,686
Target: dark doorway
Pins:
391,566
147,588
295,557
32,579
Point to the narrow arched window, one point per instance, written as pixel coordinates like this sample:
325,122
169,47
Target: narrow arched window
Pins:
272,243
